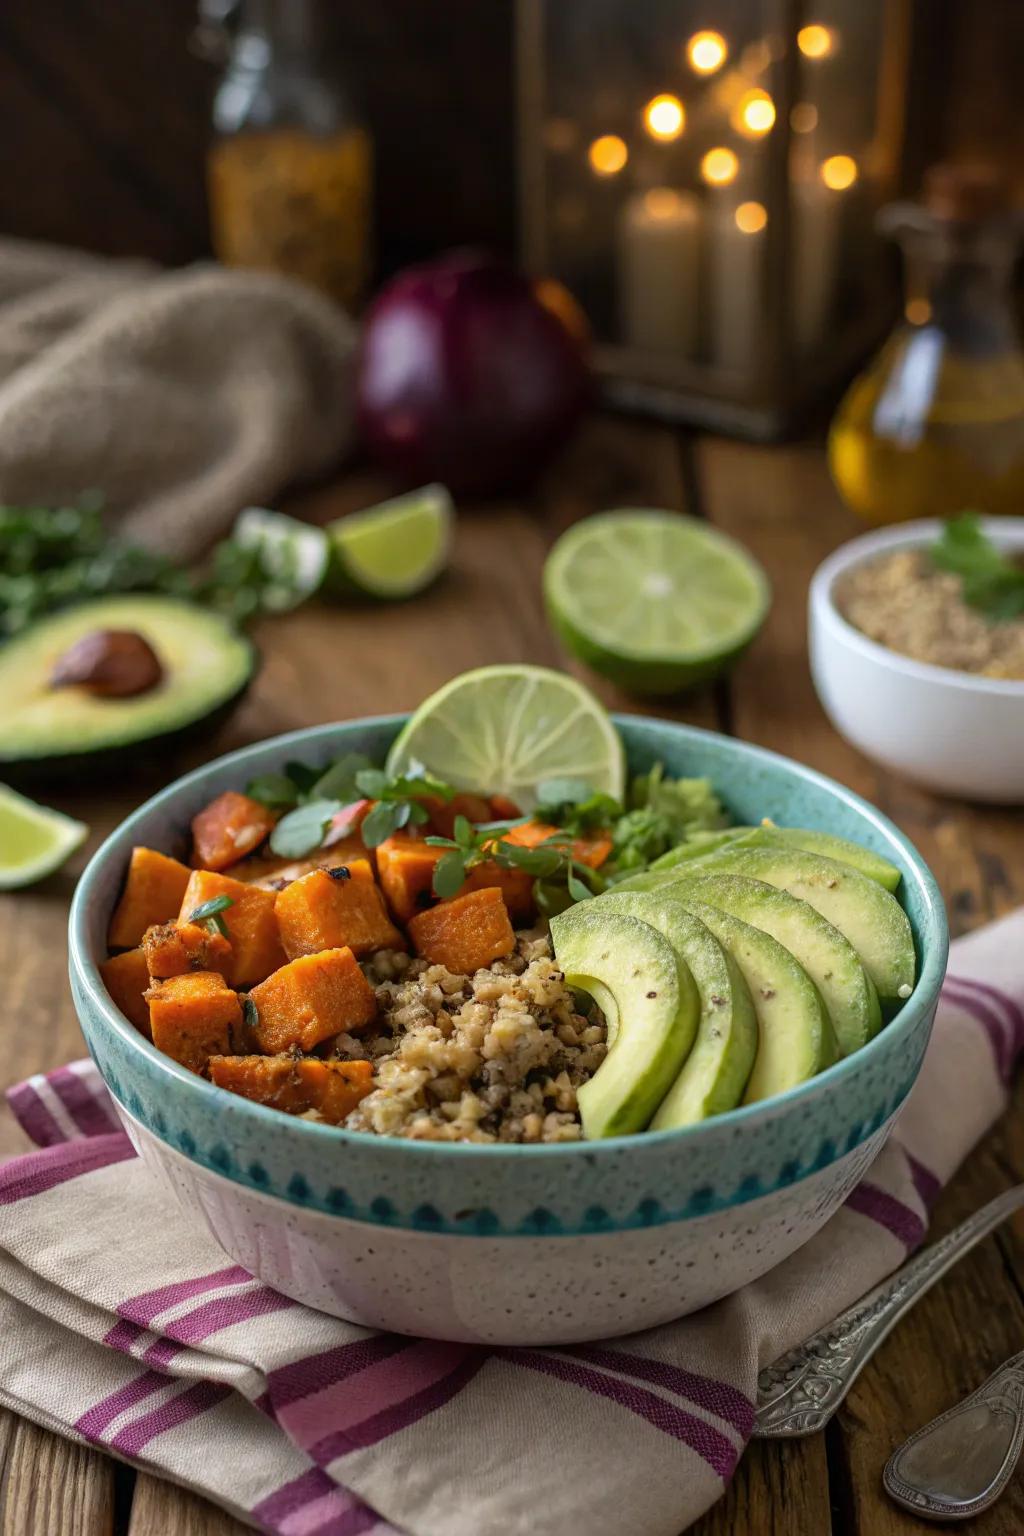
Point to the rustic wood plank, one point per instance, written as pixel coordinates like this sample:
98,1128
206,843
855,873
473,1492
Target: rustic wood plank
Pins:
160,1508
50,1486
775,1493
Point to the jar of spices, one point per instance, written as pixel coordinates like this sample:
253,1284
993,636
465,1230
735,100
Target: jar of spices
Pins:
290,166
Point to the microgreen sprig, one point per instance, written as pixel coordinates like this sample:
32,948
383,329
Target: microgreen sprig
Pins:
399,801
990,582
209,914
471,846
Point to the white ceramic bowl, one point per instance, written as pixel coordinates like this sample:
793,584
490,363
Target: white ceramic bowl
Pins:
954,732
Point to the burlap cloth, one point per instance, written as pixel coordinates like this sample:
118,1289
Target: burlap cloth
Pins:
181,396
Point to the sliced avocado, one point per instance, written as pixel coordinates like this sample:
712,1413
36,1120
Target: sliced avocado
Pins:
795,1038
829,959
714,1074
873,921
49,731
768,835
649,1001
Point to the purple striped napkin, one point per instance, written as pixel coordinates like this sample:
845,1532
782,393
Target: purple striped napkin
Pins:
123,1325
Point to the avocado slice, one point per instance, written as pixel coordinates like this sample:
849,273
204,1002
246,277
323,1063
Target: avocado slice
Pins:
873,920
795,1039
651,1006
52,732
768,835
714,1074
829,959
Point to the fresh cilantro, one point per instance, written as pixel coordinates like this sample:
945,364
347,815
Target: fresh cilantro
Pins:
209,914
990,582
303,829
550,862
274,790
399,801
575,806
662,813
339,780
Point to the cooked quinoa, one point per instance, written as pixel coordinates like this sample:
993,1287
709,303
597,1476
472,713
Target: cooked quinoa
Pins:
905,603
493,1057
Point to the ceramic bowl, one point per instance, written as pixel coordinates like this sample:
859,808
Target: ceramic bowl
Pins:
509,1244
954,732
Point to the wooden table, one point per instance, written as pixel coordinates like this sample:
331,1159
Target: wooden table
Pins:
326,663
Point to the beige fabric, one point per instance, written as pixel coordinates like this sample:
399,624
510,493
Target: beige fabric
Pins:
181,396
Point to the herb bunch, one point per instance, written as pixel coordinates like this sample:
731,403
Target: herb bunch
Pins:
990,582
552,862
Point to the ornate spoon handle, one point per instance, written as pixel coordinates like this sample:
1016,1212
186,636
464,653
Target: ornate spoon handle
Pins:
959,1464
801,1391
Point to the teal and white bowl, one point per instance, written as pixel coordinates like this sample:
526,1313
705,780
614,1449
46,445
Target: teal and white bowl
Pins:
509,1244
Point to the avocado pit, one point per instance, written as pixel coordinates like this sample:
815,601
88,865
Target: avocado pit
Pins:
110,663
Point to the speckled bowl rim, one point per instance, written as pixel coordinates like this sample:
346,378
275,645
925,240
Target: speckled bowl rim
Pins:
926,990
823,606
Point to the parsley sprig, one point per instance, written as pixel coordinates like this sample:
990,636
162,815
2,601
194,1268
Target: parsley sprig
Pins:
990,582
312,798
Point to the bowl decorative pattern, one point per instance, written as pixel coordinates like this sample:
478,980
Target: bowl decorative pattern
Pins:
794,1156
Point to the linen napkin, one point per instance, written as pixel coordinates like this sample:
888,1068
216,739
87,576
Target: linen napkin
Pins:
180,396
124,1325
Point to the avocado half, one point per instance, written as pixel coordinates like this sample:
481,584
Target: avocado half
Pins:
51,734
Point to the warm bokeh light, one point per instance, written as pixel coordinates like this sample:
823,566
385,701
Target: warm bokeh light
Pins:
719,167
751,217
607,155
664,117
560,134
755,113
815,42
804,117
706,52
839,172
918,311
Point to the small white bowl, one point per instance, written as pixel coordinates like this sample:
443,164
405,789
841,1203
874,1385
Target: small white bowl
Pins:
955,732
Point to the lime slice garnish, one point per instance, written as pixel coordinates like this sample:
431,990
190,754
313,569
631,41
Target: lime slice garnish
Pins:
654,600
394,549
34,841
295,554
503,730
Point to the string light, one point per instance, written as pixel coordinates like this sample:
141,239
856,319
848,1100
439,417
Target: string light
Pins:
706,52
665,117
815,42
804,117
755,113
839,172
751,217
607,155
719,167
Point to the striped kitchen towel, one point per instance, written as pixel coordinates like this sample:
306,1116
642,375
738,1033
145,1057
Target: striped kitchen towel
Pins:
122,1324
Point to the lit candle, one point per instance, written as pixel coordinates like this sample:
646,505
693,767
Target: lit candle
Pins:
737,245
818,204
658,262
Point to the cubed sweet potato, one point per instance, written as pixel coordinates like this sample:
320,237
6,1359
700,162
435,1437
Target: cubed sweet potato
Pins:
250,921
310,999
332,1088
503,809
443,812
227,829
405,866
126,978
465,934
333,909
152,894
195,1017
172,949
591,851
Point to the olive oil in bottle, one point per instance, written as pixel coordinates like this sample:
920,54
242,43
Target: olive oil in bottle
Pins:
935,425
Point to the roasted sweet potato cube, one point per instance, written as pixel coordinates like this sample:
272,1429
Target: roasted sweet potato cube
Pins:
172,949
443,812
334,909
250,921
126,978
309,1000
152,894
227,829
195,1017
585,850
406,865
515,885
332,1088
465,934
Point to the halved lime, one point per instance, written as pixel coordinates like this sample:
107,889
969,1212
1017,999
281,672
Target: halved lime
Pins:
34,841
395,549
295,554
503,730
656,601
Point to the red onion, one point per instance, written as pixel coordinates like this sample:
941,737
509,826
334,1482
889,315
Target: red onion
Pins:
470,374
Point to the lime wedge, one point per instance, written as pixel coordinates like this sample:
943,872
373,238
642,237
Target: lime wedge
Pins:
295,554
395,549
654,600
503,730
34,841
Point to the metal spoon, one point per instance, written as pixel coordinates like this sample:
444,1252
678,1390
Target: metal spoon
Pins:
801,1391
960,1463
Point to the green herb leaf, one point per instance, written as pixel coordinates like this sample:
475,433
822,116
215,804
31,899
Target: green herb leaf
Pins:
275,790
210,914
303,829
449,874
302,776
338,782
387,816
991,583
372,782
563,791
577,889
